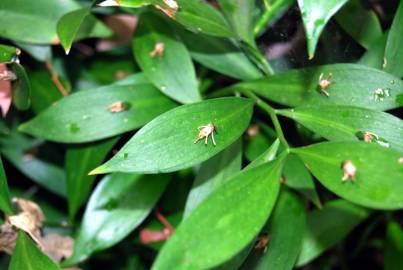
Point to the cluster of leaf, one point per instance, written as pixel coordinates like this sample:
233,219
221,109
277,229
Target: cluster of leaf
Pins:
197,63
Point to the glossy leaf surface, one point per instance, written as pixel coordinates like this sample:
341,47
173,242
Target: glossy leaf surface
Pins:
32,21
212,174
164,59
315,15
378,174
72,120
340,123
117,206
350,84
168,143
223,224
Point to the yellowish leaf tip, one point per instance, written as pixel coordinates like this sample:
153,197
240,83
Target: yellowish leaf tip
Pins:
109,3
98,170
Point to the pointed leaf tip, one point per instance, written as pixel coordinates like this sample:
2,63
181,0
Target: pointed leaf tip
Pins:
98,170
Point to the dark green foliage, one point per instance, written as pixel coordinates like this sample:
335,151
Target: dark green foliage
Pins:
229,139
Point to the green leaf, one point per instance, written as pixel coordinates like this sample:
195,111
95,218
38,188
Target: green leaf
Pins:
21,88
225,222
219,54
32,21
328,226
394,44
27,255
7,53
85,117
271,13
284,241
315,15
236,261
214,173
351,84
298,177
257,143
172,71
378,172
338,123
266,156
79,161
44,91
240,14
117,206
47,175
38,52
374,57
200,16
134,79
393,254
367,31
5,201
168,144
79,24
17,149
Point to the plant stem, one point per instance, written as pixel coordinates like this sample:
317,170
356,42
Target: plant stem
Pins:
267,16
272,113
55,79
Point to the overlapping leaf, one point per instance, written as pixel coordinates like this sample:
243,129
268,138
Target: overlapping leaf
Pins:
200,16
86,116
15,148
378,173
284,241
21,87
27,255
350,84
350,123
297,177
225,222
32,21
212,174
367,31
393,50
79,161
167,143
240,14
220,55
79,24
327,226
118,205
164,59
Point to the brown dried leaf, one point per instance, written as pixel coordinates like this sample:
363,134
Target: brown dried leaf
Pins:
57,247
33,209
8,237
